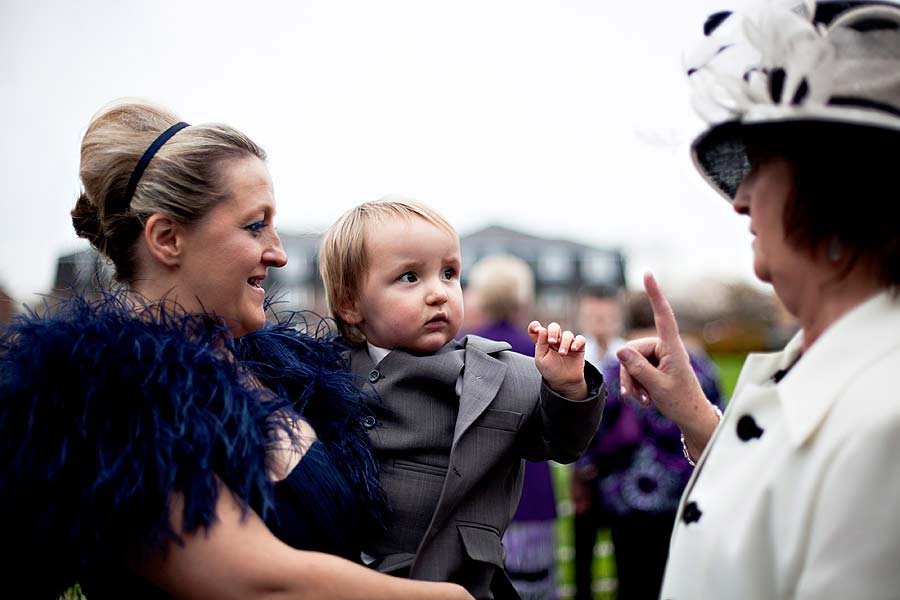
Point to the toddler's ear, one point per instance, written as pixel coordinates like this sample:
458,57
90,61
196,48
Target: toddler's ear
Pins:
350,314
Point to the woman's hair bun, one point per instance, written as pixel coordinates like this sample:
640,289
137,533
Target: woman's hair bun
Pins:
86,220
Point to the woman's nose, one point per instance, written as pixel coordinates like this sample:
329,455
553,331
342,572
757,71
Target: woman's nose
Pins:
741,201
274,255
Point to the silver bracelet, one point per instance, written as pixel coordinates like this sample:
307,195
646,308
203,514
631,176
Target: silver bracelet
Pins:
684,447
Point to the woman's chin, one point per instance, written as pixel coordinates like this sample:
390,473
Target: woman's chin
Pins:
247,325
762,273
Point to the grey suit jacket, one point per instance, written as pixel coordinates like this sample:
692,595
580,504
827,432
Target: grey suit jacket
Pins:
506,413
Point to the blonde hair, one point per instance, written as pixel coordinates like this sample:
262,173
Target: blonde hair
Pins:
184,180
503,285
343,255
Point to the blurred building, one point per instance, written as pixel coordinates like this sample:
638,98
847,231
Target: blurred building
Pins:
561,268
82,272
297,285
725,316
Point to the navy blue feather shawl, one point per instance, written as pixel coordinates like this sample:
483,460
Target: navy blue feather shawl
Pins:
104,415
313,373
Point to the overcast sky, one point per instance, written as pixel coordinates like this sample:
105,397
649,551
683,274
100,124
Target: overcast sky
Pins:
567,119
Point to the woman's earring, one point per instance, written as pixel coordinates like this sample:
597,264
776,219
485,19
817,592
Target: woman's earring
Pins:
835,250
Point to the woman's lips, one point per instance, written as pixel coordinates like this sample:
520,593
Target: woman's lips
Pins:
256,284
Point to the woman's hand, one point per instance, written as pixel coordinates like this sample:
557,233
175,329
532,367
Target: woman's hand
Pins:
559,356
658,370
455,592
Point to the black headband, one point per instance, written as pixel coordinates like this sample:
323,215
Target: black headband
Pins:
142,164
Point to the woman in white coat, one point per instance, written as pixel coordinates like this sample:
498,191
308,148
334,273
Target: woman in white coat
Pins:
796,491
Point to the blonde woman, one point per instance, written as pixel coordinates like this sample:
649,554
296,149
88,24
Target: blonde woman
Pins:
147,435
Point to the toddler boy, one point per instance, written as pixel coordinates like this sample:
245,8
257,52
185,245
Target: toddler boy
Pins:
456,418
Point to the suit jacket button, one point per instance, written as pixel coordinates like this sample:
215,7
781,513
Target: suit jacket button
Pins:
374,375
747,429
691,514
369,422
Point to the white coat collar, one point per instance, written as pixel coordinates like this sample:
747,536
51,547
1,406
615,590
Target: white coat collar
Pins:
831,364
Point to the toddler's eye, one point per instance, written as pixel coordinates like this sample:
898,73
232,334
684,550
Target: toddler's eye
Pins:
449,273
408,277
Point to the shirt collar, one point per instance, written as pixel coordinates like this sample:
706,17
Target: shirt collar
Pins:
834,361
377,353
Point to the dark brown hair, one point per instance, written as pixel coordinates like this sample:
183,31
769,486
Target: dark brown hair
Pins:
846,189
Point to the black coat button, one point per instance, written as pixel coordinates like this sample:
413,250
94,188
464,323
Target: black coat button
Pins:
747,429
369,422
374,375
691,514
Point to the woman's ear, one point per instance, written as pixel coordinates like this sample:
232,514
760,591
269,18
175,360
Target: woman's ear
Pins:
163,237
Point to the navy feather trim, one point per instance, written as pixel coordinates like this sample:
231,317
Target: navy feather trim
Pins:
314,374
103,416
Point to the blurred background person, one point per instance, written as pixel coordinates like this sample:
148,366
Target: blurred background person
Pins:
501,290
631,478
601,317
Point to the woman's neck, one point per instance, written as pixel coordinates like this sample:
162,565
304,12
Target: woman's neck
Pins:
152,298
829,300
155,290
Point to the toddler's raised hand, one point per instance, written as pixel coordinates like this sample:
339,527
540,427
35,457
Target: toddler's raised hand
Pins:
559,356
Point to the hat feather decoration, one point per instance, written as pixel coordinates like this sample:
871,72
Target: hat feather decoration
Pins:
792,61
744,61
775,61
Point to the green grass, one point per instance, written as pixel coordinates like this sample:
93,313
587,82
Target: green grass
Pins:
73,593
604,562
729,366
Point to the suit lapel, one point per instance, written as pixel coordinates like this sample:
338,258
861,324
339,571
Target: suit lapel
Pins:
482,377
360,362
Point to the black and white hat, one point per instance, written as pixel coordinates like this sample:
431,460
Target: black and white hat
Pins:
789,62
